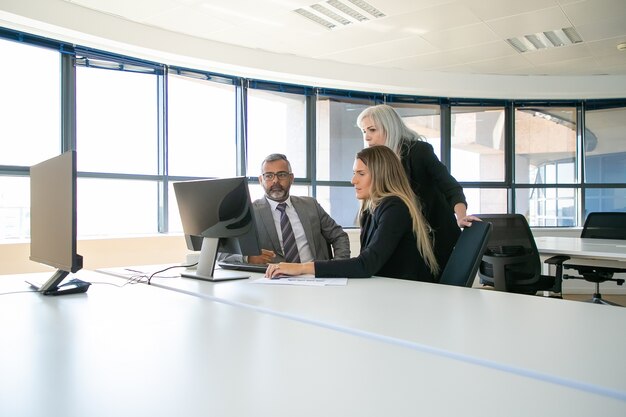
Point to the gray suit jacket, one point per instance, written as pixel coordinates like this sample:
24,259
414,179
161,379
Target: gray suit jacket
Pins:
320,229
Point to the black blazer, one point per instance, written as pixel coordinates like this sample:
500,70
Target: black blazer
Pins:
388,247
438,192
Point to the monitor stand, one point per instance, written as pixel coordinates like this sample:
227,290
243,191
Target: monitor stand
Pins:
206,265
52,287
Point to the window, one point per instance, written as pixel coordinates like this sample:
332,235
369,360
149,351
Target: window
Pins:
545,136
14,207
478,144
605,159
338,139
545,151
477,155
276,124
137,132
116,121
30,114
118,142
30,126
425,120
116,207
486,200
201,128
340,203
548,206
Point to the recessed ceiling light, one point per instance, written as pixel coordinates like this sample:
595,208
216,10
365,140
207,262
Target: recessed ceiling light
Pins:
325,11
368,8
347,10
334,14
548,39
315,18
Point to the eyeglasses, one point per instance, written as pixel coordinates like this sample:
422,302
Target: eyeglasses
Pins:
282,175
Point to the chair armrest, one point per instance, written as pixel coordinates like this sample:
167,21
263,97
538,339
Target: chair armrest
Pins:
558,276
557,260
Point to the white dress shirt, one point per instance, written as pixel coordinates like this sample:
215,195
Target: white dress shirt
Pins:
304,250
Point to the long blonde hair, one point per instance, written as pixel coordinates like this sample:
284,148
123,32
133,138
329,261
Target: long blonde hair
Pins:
389,179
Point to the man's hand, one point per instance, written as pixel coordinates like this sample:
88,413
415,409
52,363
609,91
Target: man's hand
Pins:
266,257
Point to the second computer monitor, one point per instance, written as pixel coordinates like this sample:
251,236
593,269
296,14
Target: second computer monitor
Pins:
217,213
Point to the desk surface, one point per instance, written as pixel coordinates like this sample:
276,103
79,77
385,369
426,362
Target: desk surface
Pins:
140,350
536,336
606,249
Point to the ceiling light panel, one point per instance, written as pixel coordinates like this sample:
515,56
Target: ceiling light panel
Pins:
315,18
368,8
333,14
329,13
544,40
344,8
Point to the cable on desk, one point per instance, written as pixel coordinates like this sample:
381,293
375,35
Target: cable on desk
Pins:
168,268
135,279
18,292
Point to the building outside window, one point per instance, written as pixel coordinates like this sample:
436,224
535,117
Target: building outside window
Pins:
478,150
605,159
545,151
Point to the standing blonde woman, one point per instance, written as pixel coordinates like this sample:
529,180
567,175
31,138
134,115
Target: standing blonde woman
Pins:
395,236
442,198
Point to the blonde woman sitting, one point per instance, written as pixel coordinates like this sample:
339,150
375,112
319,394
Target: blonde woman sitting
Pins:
395,238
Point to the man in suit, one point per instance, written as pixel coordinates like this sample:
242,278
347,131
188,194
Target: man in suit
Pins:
314,230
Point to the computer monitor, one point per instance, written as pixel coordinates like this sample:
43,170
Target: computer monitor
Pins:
217,213
53,223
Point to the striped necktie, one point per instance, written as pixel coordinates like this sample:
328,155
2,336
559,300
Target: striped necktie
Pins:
289,239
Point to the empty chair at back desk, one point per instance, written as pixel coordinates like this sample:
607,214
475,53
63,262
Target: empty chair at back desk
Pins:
601,225
511,261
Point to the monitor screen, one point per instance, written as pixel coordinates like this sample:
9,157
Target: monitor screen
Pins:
53,220
217,216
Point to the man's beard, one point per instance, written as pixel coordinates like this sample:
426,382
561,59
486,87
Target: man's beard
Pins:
277,193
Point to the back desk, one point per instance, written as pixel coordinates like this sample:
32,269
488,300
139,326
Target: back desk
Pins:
141,350
567,342
585,251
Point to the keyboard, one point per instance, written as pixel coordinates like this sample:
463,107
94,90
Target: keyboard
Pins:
242,266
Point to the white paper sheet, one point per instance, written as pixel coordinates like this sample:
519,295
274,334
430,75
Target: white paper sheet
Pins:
307,280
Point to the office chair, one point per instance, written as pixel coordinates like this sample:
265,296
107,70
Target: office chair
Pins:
601,225
463,262
511,261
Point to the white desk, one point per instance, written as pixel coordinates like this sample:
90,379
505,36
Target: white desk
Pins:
595,252
144,351
608,252
546,339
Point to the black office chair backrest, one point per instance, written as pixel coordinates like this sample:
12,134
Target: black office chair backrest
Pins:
605,225
463,264
512,243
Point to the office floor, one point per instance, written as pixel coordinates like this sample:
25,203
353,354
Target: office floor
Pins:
614,298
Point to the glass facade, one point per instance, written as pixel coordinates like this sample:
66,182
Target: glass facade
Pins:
141,126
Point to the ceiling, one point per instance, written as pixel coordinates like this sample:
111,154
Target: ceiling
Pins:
461,36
